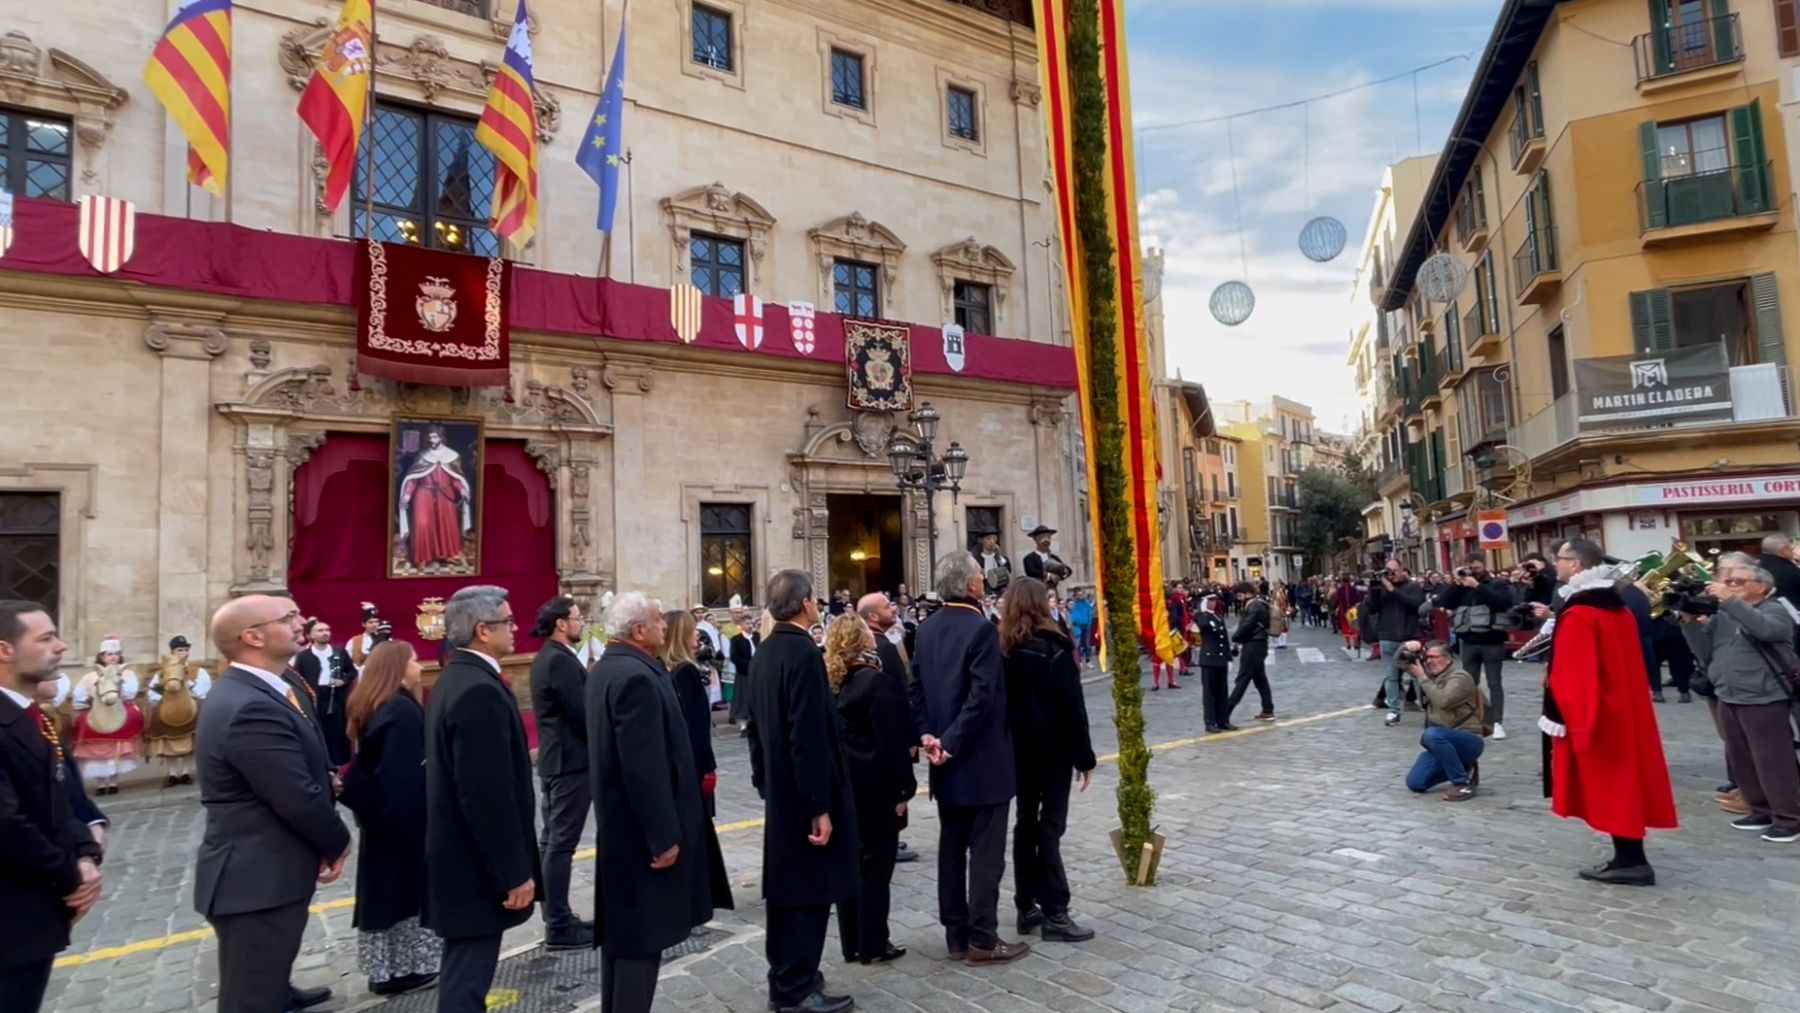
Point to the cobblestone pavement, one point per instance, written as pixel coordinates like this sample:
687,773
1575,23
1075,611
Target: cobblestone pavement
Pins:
1299,874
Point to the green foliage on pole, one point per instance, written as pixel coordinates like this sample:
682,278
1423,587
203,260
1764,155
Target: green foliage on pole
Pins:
1107,443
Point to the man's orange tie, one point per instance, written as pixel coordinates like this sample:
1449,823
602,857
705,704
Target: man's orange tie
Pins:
295,701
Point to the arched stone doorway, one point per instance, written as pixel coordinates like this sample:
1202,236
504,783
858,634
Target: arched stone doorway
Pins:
842,468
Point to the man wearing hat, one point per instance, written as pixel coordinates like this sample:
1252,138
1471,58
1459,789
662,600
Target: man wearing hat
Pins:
996,569
1041,562
360,646
176,690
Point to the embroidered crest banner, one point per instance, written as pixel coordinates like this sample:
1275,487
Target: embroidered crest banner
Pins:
427,316
878,358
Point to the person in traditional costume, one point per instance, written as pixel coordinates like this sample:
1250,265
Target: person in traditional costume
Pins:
1603,753
330,677
107,719
360,646
175,694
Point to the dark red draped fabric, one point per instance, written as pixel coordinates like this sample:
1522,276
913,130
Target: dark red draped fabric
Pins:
338,558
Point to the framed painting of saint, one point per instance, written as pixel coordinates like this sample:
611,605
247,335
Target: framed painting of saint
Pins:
434,492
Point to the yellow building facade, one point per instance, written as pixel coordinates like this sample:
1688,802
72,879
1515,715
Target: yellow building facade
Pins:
1273,438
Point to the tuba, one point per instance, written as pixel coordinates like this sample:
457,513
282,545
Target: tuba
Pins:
1680,560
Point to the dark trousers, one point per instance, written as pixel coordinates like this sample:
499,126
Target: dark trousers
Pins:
1671,647
971,862
794,944
22,986
1250,670
1214,692
566,801
466,973
256,955
1759,749
627,984
863,919
1038,876
1485,662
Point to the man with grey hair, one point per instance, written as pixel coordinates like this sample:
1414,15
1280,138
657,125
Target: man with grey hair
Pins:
481,857
1739,646
1778,558
958,697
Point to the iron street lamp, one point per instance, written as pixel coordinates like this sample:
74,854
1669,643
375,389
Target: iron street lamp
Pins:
918,467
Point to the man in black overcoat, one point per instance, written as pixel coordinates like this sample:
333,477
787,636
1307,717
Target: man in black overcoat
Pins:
797,764
481,857
958,698
653,883
559,700
51,873
743,647
330,675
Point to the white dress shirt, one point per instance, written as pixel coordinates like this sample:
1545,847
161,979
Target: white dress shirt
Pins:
18,698
325,655
275,682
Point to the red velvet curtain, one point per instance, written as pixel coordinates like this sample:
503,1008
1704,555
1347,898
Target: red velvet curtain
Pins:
338,556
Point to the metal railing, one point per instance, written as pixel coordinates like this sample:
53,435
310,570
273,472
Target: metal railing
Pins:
1523,133
1535,256
1692,45
1472,328
1758,392
1471,217
1730,192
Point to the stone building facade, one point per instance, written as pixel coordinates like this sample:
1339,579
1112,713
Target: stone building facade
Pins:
158,436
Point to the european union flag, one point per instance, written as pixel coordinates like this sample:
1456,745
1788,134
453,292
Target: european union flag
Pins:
602,148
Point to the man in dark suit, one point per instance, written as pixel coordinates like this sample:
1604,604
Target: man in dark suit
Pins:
797,764
272,829
329,674
481,857
558,697
958,700
654,886
743,651
49,862
883,619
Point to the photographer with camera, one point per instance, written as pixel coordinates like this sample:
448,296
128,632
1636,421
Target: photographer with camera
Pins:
1741,645
1479,604
1394,601
1453,721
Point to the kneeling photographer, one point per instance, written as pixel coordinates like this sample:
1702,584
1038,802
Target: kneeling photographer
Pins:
1453,721
1480,605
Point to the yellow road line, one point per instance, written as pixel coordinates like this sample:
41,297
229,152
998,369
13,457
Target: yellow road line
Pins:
205,932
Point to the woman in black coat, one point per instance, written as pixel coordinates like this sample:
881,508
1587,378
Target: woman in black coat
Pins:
1213,655
680,657
1051,748
876,742
385,788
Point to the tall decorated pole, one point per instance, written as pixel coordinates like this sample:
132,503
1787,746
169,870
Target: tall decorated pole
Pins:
1081,47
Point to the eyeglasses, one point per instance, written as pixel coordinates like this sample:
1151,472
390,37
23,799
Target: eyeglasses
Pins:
288,618
1567,559
1737,581
509,621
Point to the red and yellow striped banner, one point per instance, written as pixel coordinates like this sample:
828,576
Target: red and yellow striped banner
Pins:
189,72
508,128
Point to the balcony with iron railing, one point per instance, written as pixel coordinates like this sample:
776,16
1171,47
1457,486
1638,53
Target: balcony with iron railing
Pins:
1431,378
1760,393
1704,49
1536,274
1526,140
1454,364
1472,223
1377,284
1724,200
1480,337
1392,475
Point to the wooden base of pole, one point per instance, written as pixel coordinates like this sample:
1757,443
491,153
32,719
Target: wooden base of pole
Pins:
1140,869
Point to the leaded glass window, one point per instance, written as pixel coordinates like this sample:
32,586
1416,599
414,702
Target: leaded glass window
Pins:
963,121
716,264
30,557
847,79
35,154
856,288
974,307
712,38
725,554
475,8
434,185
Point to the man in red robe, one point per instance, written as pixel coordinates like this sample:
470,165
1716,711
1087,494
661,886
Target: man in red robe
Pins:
1605,761
434,504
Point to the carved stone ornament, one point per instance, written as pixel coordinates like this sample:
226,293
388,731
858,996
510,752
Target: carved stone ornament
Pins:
969,260
1048,413
260,353
580,517
259,482
546,456
631,378
54,81
185,340
1026,92
854,237
872,431
718,210
300,445
537,403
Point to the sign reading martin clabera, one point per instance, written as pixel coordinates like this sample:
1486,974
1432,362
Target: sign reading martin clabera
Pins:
1674,386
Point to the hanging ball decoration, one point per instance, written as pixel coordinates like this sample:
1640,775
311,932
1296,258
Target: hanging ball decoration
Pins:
1442,278
1323,238
1232,303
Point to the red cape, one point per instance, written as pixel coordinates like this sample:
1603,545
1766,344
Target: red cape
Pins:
1609,770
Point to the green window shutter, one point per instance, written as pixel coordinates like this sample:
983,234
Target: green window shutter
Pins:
1652,321
1747,151
1656,210
1721,31
1662,36
1546,223
1537,101
1771,344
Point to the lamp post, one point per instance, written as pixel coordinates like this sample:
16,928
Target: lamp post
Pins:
918,466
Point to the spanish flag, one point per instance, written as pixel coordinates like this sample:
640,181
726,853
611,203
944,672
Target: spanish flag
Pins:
508,128
190,74
336,101
1088,118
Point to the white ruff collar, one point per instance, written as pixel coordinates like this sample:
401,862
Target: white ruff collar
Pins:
1587,580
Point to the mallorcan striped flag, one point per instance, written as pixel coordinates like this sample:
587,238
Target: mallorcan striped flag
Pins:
190,74
508,128
336,100
1108,142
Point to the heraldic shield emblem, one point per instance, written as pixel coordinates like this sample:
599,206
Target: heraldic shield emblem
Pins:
879,360
801,321
953,346
747,317
108,233
436,305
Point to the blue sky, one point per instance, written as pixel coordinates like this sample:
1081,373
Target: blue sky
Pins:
1194,59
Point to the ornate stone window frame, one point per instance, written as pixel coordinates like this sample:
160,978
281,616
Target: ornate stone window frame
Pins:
969,260
863,48
854,237
758,498
53,81
946,78
739,12
717,210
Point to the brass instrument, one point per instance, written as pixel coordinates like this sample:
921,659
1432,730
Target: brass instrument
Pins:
1680,560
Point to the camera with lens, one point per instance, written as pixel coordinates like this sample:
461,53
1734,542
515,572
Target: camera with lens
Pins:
1463,571
1688,596
1405,656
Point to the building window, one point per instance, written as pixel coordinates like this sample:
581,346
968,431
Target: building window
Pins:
985,520
1231,485
34,154
434,186
856,288
960,106
712,38
474,8
847,79
725,561
1715,313
1559,363
1692,146
974,307
716,264
30,554
1787,27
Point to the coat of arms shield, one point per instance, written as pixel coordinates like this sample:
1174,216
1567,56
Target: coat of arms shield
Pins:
953,346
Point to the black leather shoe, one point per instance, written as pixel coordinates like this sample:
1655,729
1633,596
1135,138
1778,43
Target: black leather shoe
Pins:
905,854
403,984
1030,919
819,1002
1631,875
891,952
575,937
1059,926
307,998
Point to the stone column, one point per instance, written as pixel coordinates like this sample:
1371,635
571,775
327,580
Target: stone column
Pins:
186,344
629,380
